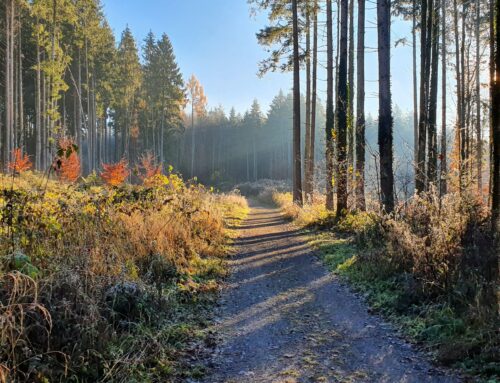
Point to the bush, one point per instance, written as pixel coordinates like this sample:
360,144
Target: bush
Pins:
431,266
94,274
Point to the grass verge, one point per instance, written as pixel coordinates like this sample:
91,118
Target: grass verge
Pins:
429,269
109,284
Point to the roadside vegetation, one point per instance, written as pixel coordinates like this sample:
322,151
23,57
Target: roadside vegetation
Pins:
101,280
430,267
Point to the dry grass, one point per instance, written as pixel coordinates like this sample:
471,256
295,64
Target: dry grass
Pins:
94,281
431,265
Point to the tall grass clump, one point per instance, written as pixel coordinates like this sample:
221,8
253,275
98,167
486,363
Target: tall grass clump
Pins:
107,283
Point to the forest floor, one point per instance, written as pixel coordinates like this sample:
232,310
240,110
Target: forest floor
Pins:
285,318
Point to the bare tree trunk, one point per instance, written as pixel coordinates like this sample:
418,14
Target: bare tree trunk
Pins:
443,173
432,128
415,91
464,125
479,144
313,99
193,141
38,110
350,94
297,168
9,79
492,78
307,151
90,130
459,128
342,109
385,109
20,88
420,179
330,117
360,111
495,169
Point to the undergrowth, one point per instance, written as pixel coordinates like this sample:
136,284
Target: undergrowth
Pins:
430,267
111,284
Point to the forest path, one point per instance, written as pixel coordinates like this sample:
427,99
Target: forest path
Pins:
285,318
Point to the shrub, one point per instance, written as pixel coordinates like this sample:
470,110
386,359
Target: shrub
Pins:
68,167
20,162
99,276
115,174
149,169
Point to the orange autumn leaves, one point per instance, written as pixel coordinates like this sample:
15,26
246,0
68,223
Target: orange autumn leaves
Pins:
67,166
20,162
115,174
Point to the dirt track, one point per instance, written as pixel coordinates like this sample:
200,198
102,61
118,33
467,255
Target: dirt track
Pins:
285,318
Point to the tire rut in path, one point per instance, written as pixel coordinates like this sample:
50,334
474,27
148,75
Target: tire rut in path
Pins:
285,318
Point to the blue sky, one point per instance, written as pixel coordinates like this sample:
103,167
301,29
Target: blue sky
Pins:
215,40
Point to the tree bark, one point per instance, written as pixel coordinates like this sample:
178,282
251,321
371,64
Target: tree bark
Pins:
342,109
495,169
415,91
313,98
443,171
38,109
360,111
479,144
350,93
330,117
9,79
297,168
425,52
307,151
459,128
432,128
385,111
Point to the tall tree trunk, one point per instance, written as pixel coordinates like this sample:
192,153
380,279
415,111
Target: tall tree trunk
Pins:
350,93
297,168
313,99
459,127
9,79
479,144
360,111
464,127
432,127
420,179
415,91
443,173
342,108
307,151
330,117
193,142
492,78
20,92
90,124
385,110
38,109
495,168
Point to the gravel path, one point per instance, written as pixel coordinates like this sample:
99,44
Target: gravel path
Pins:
285,318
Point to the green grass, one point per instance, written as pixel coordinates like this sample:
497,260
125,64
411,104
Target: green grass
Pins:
437,325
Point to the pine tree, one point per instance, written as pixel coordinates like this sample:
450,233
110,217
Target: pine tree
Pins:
360,111
330,118
342,110
297,168
128,82
385,108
